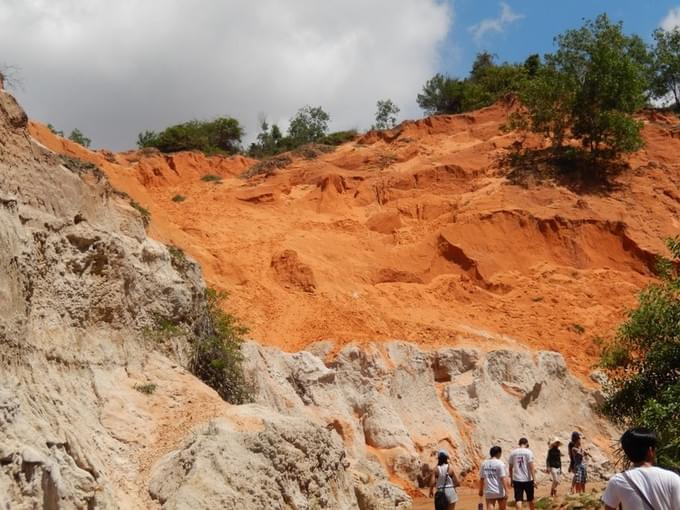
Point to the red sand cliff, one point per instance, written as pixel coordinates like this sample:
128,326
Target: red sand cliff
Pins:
413,234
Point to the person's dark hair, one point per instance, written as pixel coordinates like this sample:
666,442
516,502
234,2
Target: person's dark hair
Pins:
495,451
524,441
637,442
575,436
442,459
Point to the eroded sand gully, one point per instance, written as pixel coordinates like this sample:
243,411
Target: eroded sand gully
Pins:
413,234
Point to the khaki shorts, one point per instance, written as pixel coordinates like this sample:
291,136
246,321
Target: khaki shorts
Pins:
555,474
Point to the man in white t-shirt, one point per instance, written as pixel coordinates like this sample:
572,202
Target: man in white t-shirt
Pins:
494,483
522,473
643,487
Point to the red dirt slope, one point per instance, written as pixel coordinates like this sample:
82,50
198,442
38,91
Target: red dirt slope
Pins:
415,234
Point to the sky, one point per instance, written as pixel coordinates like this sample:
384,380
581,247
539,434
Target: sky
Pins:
116,68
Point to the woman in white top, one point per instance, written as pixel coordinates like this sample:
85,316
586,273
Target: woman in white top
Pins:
445,481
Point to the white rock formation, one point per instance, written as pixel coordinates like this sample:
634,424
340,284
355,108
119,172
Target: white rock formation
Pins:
397,405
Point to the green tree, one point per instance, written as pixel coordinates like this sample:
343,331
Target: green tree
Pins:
644,362
442,95
78,137
666,65
591,87
308,125
532,64
54,130
386,114
219,136
483,62
270,141
486,84
146,139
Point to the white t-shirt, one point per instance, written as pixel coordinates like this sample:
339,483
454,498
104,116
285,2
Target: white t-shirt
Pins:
519,460
661,487
493,471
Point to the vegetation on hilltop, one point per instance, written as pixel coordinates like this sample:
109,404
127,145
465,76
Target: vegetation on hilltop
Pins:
219,136
486,83
386,114
589,89
643,362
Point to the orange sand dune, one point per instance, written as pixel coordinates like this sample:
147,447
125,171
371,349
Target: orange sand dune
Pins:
415,233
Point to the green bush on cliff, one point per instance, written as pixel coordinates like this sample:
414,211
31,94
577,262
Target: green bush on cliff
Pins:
219,136
216,356
644,362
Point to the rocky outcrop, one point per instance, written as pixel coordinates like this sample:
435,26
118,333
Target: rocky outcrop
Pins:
406,403
79,281
288,463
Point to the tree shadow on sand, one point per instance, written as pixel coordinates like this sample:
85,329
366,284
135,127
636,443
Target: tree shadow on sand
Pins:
575,169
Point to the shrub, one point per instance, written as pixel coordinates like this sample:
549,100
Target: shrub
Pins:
268,166
577,328
211,178
177,257
147,389
219,136
338,137
486,83
145,214
56,131
179,198
643,363
216,356
78,137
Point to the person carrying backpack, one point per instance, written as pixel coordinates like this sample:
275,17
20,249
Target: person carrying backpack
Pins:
644,486
444,480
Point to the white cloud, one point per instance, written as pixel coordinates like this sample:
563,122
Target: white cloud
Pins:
671,20
498,24
116,68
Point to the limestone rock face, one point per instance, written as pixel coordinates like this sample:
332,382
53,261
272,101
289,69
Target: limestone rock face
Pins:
407,403
79,281
289,463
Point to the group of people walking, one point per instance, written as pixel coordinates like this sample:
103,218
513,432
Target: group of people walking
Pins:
643,487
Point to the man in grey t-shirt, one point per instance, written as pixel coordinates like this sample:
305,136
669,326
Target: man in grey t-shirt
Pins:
522,473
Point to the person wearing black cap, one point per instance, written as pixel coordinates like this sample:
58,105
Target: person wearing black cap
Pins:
445,481
522,473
